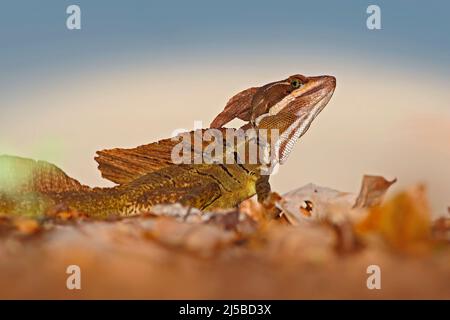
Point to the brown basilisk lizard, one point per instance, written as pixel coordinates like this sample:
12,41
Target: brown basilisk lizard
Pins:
147,175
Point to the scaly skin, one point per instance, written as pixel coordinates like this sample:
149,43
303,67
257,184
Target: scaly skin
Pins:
148,178
202,186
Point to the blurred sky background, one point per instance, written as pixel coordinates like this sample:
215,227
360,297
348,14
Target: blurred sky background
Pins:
137,70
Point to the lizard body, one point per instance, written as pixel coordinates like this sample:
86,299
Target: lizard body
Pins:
147,176
203,186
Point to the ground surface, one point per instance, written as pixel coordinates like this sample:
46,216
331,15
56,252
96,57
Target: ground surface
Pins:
226,256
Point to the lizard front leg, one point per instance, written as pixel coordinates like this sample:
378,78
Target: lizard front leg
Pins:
262,187
202,196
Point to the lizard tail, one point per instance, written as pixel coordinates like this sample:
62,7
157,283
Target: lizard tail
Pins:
20,175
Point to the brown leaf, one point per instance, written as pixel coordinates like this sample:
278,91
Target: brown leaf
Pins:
373,189
404,221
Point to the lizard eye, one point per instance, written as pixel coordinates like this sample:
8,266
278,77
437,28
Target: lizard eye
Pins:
296,83
306,208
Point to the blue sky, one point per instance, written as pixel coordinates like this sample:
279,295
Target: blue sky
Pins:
34,38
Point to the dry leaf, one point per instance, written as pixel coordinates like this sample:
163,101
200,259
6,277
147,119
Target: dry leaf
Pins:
312,203
373,189
404,221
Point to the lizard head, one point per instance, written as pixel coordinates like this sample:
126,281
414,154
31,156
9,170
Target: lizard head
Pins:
292,113
296,94
288,107
254,103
